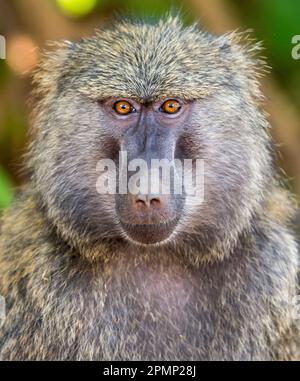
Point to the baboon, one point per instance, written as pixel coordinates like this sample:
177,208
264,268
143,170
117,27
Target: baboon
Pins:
142,276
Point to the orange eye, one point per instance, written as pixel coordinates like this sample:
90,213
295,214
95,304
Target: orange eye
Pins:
171,106
123,107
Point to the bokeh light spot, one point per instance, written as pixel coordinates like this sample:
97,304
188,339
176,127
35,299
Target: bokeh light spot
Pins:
22,53
77,8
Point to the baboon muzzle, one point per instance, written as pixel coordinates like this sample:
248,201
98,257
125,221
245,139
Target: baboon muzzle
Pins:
149,207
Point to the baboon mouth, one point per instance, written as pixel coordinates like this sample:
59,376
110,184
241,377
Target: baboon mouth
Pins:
149,234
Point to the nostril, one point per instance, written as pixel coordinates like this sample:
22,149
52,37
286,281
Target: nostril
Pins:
155,201
140,202
141,199
146,201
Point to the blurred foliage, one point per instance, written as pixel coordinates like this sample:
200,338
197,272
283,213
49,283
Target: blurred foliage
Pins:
274,22
6,192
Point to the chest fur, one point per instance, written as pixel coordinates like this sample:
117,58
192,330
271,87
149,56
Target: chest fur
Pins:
162,311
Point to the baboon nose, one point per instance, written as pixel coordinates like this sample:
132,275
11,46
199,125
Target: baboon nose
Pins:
145,202
148,218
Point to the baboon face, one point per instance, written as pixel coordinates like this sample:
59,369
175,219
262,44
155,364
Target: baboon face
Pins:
146,132
153,92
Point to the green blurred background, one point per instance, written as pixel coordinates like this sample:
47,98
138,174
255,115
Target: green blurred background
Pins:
28,24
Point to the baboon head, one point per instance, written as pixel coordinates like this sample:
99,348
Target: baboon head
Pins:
153,91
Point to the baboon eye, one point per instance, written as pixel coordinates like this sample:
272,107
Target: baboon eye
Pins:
123,107
170,106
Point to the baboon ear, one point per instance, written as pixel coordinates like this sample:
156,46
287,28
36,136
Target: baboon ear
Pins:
52,66
243,55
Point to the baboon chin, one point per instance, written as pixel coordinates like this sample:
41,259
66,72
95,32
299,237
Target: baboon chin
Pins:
95,268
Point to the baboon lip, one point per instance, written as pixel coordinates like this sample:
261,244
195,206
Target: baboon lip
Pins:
148,234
